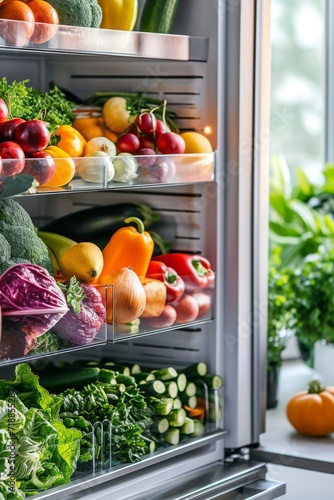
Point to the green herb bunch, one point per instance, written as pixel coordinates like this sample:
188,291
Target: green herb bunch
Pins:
29,103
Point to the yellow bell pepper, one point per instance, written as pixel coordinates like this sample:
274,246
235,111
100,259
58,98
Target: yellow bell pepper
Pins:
64,167
119,14
71,140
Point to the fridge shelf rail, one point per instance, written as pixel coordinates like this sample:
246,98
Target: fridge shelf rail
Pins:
102,476
83,174
97,41
168,320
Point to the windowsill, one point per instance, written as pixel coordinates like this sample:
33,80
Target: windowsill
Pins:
281,444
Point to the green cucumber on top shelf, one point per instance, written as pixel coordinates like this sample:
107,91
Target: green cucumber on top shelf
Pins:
158,16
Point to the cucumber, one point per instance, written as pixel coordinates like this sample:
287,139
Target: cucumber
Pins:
188,427
171,389
165,373
158,16
153,387
196,370
176,418
172,436
57,380
160,426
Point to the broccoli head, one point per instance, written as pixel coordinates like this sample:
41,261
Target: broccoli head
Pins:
11,212
85,13
25,244
11,262
5,250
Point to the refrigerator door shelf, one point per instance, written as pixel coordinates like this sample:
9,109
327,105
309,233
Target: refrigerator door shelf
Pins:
74,39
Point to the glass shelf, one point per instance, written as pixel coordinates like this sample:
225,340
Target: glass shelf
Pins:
26,336
77,40
161,170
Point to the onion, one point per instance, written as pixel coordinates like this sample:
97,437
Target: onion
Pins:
100,144
128,295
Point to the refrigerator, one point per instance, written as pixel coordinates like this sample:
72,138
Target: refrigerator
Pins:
214,70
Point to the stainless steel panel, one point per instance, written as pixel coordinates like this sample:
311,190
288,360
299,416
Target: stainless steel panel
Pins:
237,481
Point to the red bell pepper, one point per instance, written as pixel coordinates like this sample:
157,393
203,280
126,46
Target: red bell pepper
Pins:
174,283
195,270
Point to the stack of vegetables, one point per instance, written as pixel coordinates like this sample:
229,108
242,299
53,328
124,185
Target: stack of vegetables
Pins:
46,141
108,14
51,435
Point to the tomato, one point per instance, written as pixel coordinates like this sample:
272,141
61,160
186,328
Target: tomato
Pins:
187,309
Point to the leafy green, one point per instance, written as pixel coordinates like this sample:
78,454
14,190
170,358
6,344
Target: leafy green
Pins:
30,103
28,389
7,493
11,417
17,184
46,343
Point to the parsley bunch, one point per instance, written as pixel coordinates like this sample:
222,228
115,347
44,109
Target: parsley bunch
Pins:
29,103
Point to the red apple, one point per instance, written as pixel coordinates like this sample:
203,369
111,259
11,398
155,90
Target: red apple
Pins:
146,143
13,158
32,136
41,166
187,309
7,128
3,111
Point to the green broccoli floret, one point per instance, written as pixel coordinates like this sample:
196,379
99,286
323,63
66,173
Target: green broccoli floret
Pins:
12,262
96,13
25,244
11,212
85,13
5,250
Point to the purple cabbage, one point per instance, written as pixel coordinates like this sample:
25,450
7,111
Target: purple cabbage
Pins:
80,328
31,298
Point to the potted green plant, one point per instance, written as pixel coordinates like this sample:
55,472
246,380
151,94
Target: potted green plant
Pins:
280,325
313,304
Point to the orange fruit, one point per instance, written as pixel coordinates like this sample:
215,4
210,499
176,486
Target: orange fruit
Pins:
16,33
196,143
46,14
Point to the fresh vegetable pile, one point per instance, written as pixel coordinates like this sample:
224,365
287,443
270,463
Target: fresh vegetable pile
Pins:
46,142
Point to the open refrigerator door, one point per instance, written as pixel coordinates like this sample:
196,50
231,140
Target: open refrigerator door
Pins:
148,409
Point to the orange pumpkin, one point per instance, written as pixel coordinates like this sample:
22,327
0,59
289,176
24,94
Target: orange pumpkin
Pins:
312,412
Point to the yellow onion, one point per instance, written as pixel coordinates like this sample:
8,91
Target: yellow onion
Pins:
129,298
100,144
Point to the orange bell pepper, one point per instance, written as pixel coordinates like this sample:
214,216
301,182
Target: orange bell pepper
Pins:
71,140
128,246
